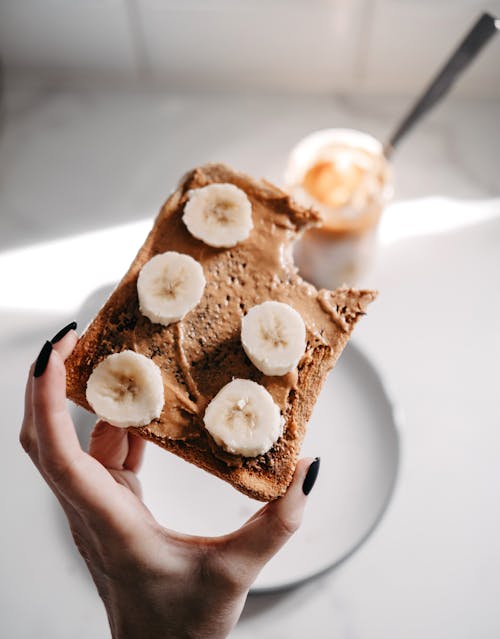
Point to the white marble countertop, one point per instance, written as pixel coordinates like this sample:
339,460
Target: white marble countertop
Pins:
78,162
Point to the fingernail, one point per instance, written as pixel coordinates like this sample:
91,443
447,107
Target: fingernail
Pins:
58,336
310,479
42,359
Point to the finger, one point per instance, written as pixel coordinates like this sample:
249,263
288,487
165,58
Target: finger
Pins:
260,538
136,446
58,446
109,445
29,442
116,448
64,340
27,435
73,475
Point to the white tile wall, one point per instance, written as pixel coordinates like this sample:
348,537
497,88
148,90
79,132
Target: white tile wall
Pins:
410,39
277,44
69,36
373,46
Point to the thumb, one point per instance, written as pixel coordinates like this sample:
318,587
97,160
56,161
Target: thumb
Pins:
260,538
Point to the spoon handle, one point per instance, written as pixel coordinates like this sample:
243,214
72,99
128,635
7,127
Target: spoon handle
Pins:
466,51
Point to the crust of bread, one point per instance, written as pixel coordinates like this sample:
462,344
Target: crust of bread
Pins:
267,477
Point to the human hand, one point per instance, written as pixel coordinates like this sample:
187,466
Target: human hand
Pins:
154,582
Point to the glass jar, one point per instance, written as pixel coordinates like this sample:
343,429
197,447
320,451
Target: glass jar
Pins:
344,175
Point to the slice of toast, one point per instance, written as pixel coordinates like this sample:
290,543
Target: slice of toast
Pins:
201,353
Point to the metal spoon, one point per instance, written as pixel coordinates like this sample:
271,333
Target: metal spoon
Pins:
484,28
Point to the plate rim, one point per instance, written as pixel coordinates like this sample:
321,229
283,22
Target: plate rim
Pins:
397,425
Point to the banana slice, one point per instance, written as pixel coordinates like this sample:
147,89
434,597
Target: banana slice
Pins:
243,418
273,335
218,214
169,286
126,389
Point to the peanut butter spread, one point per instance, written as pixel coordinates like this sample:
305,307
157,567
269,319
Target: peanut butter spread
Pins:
346,184
201,353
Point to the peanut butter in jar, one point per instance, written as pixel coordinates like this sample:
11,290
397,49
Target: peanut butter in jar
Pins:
344,175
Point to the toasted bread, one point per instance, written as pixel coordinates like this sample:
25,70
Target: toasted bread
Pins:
201,353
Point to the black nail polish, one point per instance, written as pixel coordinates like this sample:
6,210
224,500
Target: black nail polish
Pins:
42,359
310,479
58,336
